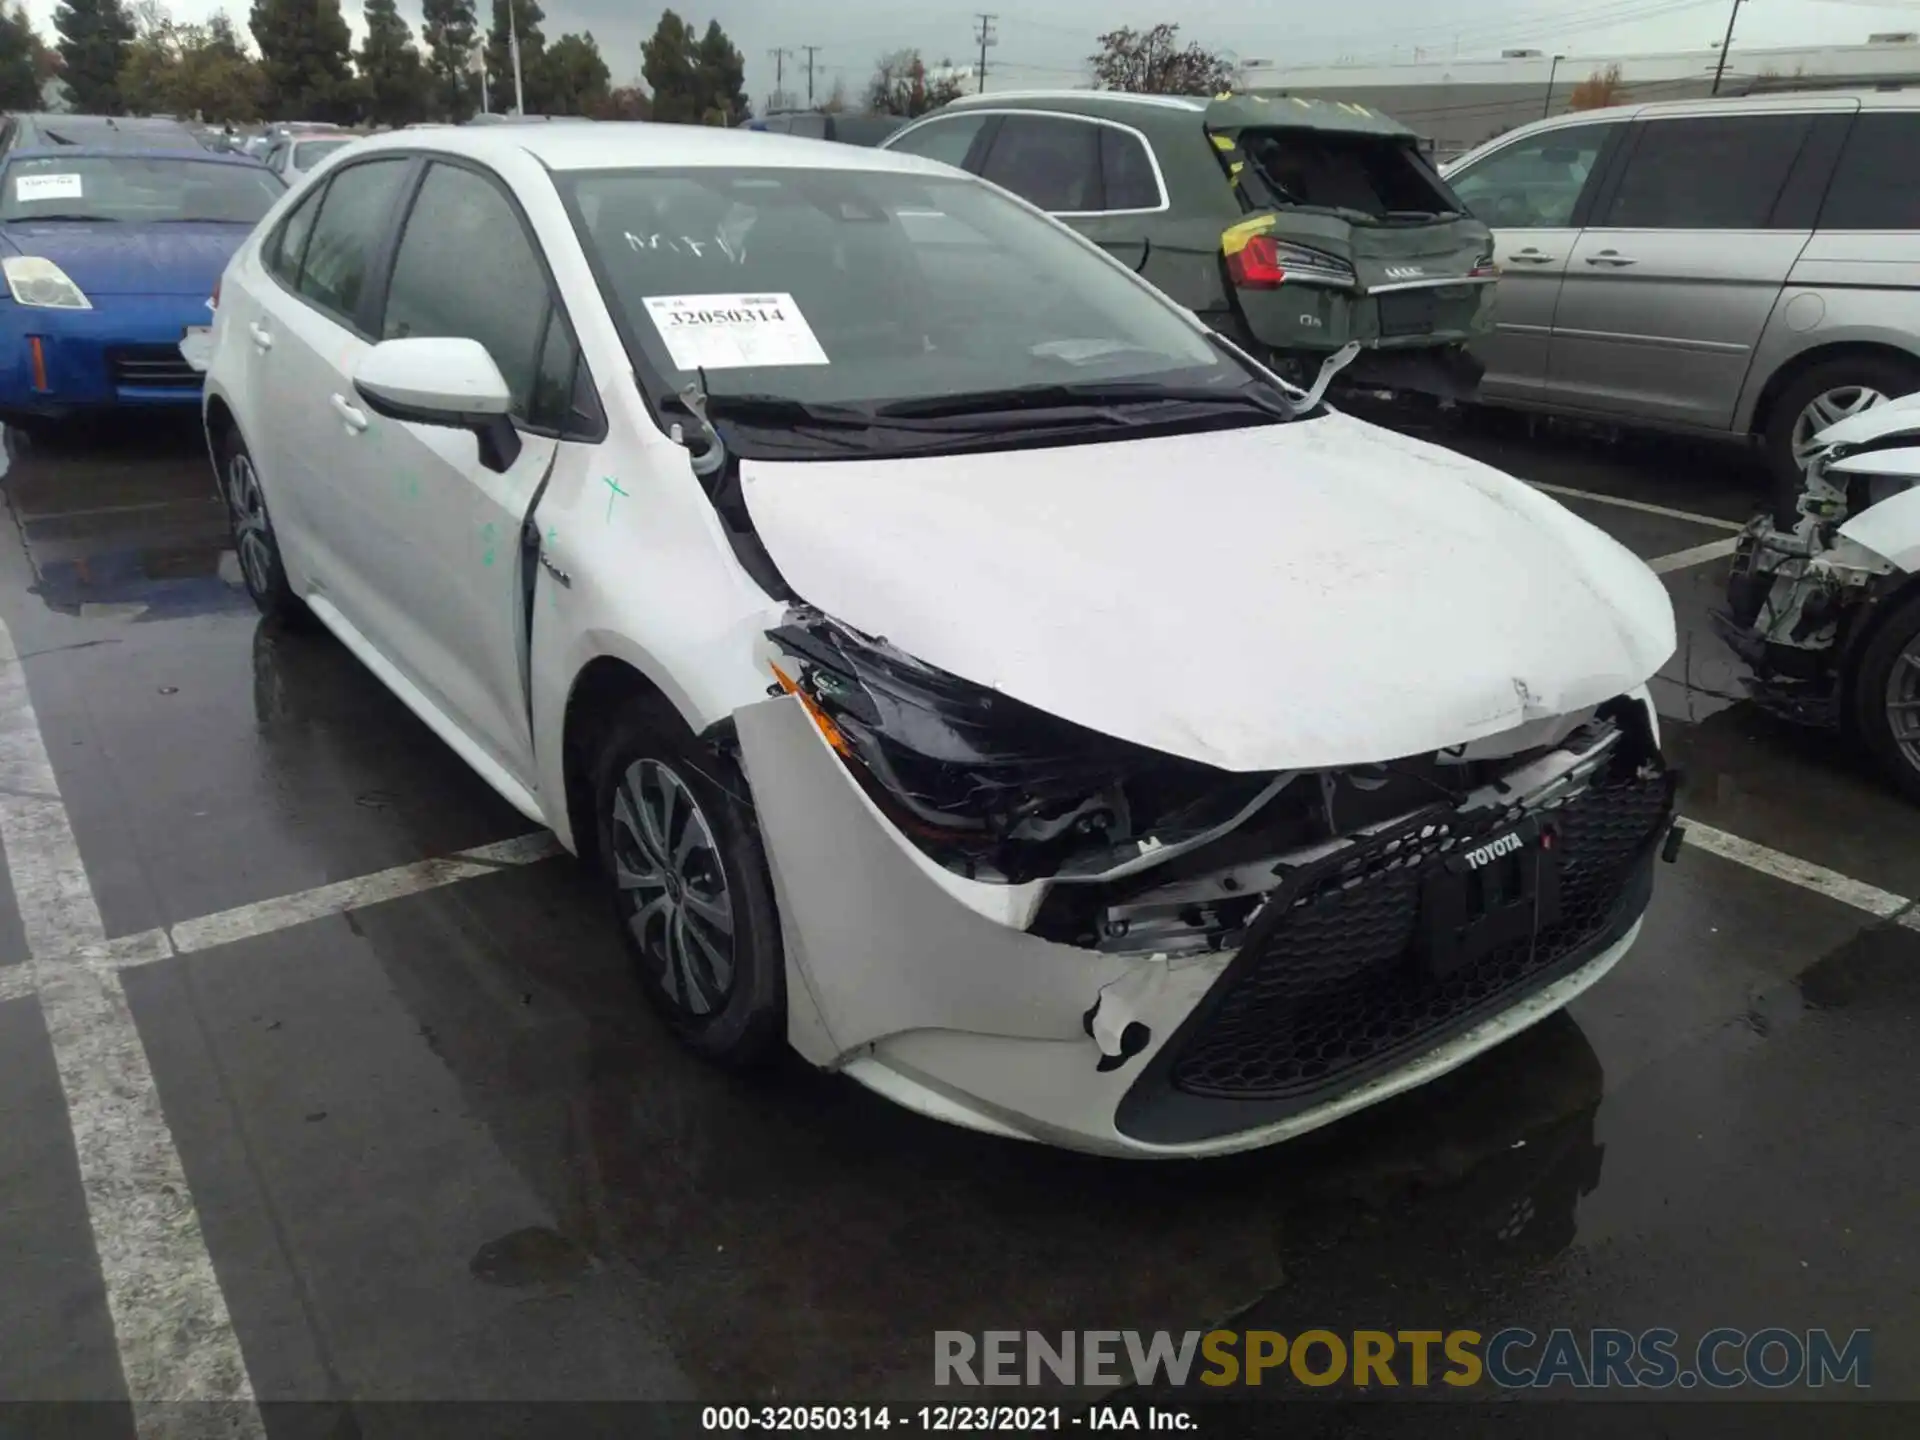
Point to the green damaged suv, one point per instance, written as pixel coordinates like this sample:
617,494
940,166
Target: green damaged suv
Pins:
1292,226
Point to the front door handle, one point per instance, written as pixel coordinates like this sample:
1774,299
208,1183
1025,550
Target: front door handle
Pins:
351,415
1611,257
1530,256
262,337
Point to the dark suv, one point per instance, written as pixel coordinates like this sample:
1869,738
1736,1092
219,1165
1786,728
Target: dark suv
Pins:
829,125
1290,225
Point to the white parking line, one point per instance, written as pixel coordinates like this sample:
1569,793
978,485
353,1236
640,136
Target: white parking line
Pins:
247,921
1795,871
1645,507
1698,555
170,1321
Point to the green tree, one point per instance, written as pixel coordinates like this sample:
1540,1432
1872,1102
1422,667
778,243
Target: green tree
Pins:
722,78
669,64
191,70
447,29
900,86
574,78
304,53
391,76
19,78
527,16
628,102
93,45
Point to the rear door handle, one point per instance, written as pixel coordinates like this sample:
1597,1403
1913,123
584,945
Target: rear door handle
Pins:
1611,257
1531,257
350,414
262,337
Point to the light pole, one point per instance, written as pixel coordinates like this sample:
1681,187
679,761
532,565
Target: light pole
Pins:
1552,71
1721,68
513,44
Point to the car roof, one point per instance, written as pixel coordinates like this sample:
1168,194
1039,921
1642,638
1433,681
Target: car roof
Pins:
643,145
1785,102
119,132
198,155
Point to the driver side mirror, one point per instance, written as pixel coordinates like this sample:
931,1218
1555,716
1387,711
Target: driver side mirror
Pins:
446,381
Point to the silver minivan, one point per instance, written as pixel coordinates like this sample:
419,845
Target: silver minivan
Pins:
1748,268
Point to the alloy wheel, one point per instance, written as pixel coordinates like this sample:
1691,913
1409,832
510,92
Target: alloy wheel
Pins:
1903,702
252,536
1826,409
672,887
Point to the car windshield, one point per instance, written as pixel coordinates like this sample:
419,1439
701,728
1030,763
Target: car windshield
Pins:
859,288
309,153
135,188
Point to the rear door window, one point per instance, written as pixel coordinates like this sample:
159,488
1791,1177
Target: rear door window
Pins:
947,139
1876,185
1533,184
1126,169
284,255
353,220
1717,172
1048,161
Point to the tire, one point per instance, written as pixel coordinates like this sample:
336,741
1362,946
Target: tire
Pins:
1888,675
1849,383
715,970
261,567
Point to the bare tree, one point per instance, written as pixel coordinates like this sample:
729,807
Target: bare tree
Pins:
1153,62
1599,90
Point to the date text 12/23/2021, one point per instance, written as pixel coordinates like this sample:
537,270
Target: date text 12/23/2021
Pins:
779,1419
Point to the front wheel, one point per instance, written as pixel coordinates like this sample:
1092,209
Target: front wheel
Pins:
1886,696
681,852
254,542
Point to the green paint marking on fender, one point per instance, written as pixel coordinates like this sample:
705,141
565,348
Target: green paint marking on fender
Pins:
613,489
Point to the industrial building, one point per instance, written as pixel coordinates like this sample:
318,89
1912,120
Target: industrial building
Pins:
1457,104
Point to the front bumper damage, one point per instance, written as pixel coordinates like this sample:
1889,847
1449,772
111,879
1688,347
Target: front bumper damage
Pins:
1802,600
1222,995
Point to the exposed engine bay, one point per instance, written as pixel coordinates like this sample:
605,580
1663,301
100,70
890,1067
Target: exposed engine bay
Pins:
1802,598
1140,851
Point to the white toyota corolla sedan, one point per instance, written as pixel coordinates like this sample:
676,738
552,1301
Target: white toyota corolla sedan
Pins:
961,665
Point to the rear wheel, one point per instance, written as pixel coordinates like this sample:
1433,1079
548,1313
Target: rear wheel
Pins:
682,857
261,567
1886,696
1826,394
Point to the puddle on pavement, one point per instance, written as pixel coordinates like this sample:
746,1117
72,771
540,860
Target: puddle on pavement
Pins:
121,524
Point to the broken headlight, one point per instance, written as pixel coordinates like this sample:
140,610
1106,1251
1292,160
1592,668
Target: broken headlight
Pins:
992,788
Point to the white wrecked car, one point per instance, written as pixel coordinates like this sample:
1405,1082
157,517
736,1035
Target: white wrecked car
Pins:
962,666
1824,604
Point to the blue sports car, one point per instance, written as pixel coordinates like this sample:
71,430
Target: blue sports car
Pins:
110,259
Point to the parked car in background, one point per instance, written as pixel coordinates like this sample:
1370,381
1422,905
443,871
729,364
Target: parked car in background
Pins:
1744,268
678,477
828,125
292,156
1293,226
109,258
99,132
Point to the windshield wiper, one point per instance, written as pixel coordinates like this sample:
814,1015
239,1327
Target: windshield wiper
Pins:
1112,396
753,409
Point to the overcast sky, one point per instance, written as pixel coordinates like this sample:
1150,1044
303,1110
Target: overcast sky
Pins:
1051,51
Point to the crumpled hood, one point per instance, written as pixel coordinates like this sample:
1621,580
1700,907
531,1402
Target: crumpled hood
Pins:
1281,597
183,258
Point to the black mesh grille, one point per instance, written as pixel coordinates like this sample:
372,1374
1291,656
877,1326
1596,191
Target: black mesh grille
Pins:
161,365
1337,987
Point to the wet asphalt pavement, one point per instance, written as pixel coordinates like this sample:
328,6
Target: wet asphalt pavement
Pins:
440,1150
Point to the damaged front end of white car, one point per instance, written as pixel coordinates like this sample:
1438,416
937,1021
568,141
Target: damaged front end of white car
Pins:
1825,611
1012,922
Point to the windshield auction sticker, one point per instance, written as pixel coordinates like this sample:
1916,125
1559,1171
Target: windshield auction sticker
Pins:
46,187
728,332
